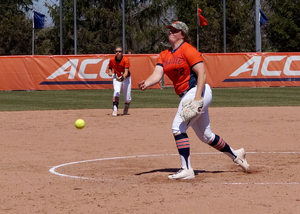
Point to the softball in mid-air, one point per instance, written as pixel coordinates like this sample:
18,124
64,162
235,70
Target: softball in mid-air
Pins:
79,124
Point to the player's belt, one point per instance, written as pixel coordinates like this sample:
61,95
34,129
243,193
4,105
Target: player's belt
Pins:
183,93
186,91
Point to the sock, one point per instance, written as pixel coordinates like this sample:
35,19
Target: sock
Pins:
115,105
219,144
126,106
183,146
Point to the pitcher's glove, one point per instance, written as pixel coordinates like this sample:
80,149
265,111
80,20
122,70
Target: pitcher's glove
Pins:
190,109
120,78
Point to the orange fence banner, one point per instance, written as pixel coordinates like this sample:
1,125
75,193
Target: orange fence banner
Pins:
68,72
252,69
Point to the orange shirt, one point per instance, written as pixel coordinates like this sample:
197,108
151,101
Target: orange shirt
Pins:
177,65
119,66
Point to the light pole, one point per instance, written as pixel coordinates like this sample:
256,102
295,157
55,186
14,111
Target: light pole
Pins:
257,26
123,15
224,25
60,27
75,29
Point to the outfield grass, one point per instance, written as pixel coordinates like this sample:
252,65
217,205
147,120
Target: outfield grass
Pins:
273,96
152,98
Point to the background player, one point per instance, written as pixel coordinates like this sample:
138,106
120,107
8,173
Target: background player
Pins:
119,68
183,64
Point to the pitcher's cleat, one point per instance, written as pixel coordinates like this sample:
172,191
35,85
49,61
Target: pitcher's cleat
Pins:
241,161
183,174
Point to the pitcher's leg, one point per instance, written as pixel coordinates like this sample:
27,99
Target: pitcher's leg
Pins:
205,134
179,131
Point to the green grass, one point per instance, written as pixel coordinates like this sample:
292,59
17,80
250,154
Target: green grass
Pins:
152,98
273,96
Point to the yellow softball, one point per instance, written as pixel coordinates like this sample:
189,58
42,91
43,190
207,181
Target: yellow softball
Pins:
79,124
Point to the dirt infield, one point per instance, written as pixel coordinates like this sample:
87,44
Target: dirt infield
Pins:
121,164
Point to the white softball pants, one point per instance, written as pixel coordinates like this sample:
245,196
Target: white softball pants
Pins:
126,88
201,123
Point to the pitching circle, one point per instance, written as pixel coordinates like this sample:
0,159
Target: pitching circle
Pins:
53,169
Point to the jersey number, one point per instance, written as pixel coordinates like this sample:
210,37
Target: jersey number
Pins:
180,71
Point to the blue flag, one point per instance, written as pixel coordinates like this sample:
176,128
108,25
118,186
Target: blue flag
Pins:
39,20
263,18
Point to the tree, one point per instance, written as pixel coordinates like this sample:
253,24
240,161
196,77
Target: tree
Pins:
146,25
283,29
240,32
15,27
240,26
99,26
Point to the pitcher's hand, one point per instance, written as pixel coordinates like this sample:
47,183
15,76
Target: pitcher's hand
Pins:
142,85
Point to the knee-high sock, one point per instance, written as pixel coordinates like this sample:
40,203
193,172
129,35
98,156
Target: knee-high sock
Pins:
220,144
183,146
115,103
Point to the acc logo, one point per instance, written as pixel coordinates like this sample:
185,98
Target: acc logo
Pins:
256,60
73,63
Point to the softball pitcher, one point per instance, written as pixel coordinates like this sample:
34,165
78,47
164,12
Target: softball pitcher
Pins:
183,64
121,77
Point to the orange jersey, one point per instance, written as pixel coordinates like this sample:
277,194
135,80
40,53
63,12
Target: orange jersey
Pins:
119,66
177,65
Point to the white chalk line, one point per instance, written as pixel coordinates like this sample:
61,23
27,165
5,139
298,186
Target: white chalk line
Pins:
53,169
278,183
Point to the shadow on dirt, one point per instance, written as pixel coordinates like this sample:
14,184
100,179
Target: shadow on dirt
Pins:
173,170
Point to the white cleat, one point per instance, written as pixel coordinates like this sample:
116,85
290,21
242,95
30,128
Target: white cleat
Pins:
114,114
241,161
183,174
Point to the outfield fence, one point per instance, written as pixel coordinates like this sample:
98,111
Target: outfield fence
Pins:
70,72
